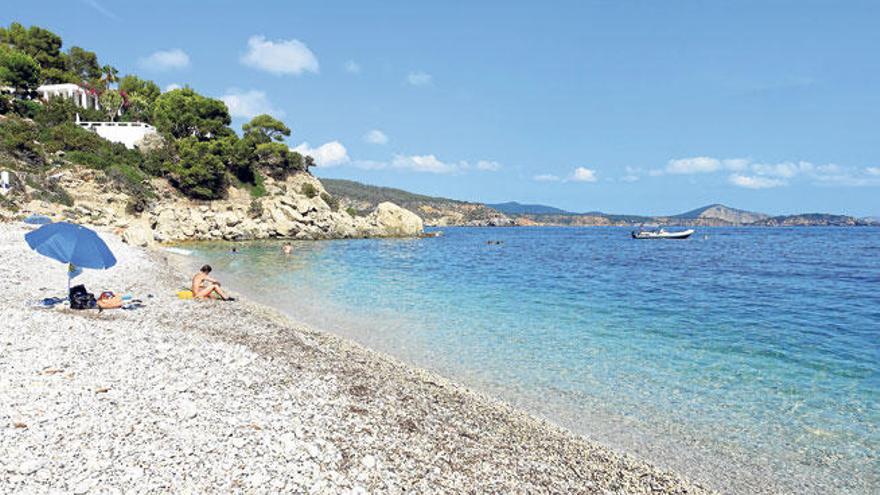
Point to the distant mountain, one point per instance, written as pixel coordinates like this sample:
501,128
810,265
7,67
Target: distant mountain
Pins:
434,210
721,213
514,208
714,215
444,211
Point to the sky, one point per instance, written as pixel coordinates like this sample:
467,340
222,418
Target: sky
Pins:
618,106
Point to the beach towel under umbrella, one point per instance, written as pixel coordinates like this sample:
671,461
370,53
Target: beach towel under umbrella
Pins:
73,244
37,220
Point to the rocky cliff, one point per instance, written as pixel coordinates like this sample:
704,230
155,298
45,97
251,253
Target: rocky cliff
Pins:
435,211
295,208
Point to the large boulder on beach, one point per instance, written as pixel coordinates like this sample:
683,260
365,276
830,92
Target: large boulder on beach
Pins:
138,234
393,221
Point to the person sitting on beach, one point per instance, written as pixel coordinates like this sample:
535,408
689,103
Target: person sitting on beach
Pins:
203,286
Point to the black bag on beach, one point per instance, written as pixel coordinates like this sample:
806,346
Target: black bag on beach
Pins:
81,299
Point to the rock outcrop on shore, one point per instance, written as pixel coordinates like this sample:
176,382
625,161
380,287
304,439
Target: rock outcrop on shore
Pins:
434,211
295,208
219,397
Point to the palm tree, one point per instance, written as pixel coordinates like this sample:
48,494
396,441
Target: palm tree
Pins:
109,75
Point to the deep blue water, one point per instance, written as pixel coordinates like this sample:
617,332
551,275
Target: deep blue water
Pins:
746,357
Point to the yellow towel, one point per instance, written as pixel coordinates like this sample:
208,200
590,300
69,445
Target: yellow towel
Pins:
185,294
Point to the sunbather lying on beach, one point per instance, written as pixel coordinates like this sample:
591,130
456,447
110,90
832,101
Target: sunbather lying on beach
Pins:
204,287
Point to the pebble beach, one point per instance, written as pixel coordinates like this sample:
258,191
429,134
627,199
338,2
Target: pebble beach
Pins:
232,397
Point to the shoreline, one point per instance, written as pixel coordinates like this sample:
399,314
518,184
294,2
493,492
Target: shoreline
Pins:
273,405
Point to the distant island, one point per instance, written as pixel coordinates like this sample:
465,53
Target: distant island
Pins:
438,211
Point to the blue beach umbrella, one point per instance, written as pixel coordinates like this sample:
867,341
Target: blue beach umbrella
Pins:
72,244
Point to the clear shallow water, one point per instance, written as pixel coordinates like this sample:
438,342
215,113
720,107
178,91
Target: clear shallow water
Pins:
750,359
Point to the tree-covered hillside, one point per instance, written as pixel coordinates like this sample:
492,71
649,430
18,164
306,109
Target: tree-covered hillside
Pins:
360,198
366,193
196,151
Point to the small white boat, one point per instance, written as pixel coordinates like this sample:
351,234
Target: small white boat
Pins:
661,234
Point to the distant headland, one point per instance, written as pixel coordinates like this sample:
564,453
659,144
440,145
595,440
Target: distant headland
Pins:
439,211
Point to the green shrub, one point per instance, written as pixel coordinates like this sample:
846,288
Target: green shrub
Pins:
18,69
123,174
17,138
26,108
259,188
57,111
87,158
309,190
8,204
71,137
137,204
199,171
274,159
48,190
332,202
183,113
57,194
351,211
52,75
154,160
255,210
6,102
297,162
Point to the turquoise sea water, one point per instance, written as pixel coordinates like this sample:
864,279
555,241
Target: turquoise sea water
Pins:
748,358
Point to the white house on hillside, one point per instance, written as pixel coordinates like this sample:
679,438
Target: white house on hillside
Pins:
127,133
82,97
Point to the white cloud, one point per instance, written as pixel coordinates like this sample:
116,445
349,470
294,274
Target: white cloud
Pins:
419,78
172,87
249,104
411,163
632,174
165,60
352,67
699,164
376,136
753,175
735,164
546,178
327,155
432,164
785,170
582,174
752,182
279,57
488,166
424,163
